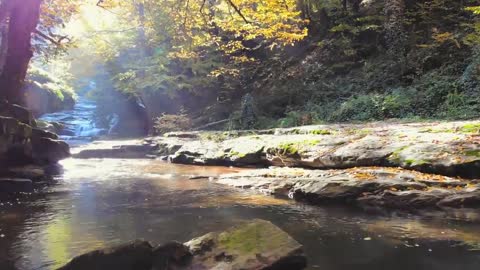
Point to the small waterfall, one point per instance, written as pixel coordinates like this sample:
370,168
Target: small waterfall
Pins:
79,124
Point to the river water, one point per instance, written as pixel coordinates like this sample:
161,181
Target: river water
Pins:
99,202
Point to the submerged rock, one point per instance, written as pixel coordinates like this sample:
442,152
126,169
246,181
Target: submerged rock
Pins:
252,245
371,186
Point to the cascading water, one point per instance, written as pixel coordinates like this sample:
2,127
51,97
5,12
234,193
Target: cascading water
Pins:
79,124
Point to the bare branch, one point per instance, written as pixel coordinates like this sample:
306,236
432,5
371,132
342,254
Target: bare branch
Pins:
52,39
44,36
239,12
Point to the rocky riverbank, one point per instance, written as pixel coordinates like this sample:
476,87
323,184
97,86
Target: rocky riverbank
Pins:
27,153
396,165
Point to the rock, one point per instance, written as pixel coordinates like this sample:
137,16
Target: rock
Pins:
54,127
24,144
39,133
48,97
171,255
133,118
123,151
48,151
468,200
15,143
15,185
131,256
450,148
407,199
254,245
18,112
372,186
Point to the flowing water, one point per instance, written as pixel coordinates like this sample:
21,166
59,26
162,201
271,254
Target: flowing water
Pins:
100,202
79,124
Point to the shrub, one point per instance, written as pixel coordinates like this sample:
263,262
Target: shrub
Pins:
172,122
359,108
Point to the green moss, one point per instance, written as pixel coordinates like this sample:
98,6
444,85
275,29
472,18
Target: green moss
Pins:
472,153
236,154
395,156
295,148
252,238
289,148
321,132
438,130
413,162
216,137
470,128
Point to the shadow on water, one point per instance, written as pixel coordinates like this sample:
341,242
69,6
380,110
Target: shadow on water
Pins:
97,203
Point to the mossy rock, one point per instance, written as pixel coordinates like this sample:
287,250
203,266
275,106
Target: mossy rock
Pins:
470,128
257,244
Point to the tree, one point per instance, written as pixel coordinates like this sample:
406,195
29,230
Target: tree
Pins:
19,20
23,18
395,34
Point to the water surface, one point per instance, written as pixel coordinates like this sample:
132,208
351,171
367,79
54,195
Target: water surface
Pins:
97,203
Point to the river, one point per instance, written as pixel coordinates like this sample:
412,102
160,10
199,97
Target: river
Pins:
100,202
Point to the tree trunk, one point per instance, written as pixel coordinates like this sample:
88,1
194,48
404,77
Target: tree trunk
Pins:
23,19
395,34
3,43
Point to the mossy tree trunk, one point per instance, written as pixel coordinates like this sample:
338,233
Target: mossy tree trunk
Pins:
23,17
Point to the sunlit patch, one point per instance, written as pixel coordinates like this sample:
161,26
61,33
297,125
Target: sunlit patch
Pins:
101,169
187,170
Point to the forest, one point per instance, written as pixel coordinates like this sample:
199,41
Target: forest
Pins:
291,134
303,62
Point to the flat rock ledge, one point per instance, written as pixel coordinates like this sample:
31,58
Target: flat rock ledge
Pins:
254,245
394,188
389,165
451,148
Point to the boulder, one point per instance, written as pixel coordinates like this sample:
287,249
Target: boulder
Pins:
42,98
133,118
171,256
136,255
48,151
40,133
15,143
51,126
254,245
18,112
21,143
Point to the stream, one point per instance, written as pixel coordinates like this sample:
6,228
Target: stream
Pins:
100,202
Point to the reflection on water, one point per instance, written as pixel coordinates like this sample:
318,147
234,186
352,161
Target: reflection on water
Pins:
103,202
